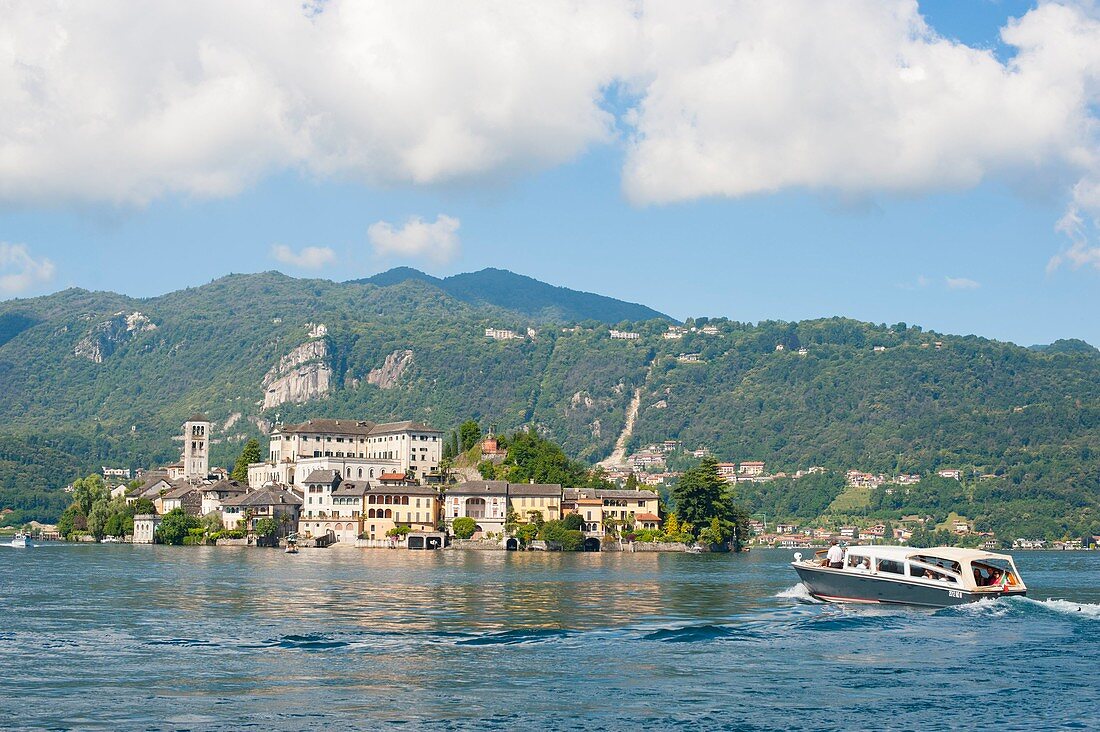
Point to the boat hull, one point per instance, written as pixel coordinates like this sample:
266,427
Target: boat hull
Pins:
835,585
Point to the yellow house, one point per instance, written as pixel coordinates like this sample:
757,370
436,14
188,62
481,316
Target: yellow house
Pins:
630,508
524,499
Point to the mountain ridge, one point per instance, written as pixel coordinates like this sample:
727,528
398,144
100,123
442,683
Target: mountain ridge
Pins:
523,294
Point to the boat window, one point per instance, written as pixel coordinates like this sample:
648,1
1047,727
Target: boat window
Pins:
930,574
857,561
949,565
891,566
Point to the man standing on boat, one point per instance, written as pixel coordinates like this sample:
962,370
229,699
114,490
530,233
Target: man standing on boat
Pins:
835,555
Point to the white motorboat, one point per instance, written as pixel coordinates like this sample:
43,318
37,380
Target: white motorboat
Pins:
936,577
21,541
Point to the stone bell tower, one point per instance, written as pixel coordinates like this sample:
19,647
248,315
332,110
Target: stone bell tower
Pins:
196,448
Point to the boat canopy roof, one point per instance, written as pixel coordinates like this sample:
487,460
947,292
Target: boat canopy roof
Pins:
953,553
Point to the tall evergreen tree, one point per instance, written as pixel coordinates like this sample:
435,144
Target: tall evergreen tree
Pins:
250,454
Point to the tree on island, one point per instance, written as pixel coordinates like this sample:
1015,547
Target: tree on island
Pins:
175,525
705,502
249,454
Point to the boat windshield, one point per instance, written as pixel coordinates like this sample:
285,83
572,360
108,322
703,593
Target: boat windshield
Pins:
994,573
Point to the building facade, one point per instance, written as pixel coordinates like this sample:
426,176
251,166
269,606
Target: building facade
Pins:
357,450
484,501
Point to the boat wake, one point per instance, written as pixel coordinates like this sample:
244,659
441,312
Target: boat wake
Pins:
800,593
1003,606
1077,609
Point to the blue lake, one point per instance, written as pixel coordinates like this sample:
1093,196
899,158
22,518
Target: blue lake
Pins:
143,637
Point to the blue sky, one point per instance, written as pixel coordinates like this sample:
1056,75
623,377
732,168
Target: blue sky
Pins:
973,255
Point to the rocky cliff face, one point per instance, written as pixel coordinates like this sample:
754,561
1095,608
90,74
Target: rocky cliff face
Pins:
105,337
387,376
300,376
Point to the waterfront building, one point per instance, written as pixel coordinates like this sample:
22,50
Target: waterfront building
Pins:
351,509
357,450
244,510
542,498
145,528
597,505
485,501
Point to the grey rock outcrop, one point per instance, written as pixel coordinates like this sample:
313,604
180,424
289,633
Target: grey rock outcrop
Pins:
106,337
390,372
302,375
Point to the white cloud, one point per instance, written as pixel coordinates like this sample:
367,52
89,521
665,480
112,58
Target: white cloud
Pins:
19,271
437,241
202,98
961,283
307,258
855,97
731,97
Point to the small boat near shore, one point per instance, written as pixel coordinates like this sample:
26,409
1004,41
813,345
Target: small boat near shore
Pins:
21,541
937,577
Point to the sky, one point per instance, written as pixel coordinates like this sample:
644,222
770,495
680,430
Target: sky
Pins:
936,163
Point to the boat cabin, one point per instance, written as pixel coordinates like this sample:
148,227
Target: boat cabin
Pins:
968,569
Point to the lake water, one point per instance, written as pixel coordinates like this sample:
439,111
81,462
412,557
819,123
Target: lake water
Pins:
144,637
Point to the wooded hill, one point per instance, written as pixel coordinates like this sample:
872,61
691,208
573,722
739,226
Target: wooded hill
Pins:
89,383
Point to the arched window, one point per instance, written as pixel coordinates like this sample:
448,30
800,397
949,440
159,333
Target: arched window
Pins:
370,499
360,472
370,513
372,472
404,500
389,513
349,473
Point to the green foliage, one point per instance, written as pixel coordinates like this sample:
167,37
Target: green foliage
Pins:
804,498
401,530
266,527
572,541
573,522
249,454
527,533
463,527
703,499
175,526
469,434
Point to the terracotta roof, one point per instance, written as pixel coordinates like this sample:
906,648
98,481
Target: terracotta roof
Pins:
392,476
647,517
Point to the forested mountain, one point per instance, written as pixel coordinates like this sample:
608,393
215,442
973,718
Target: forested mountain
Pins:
92,379
523,295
